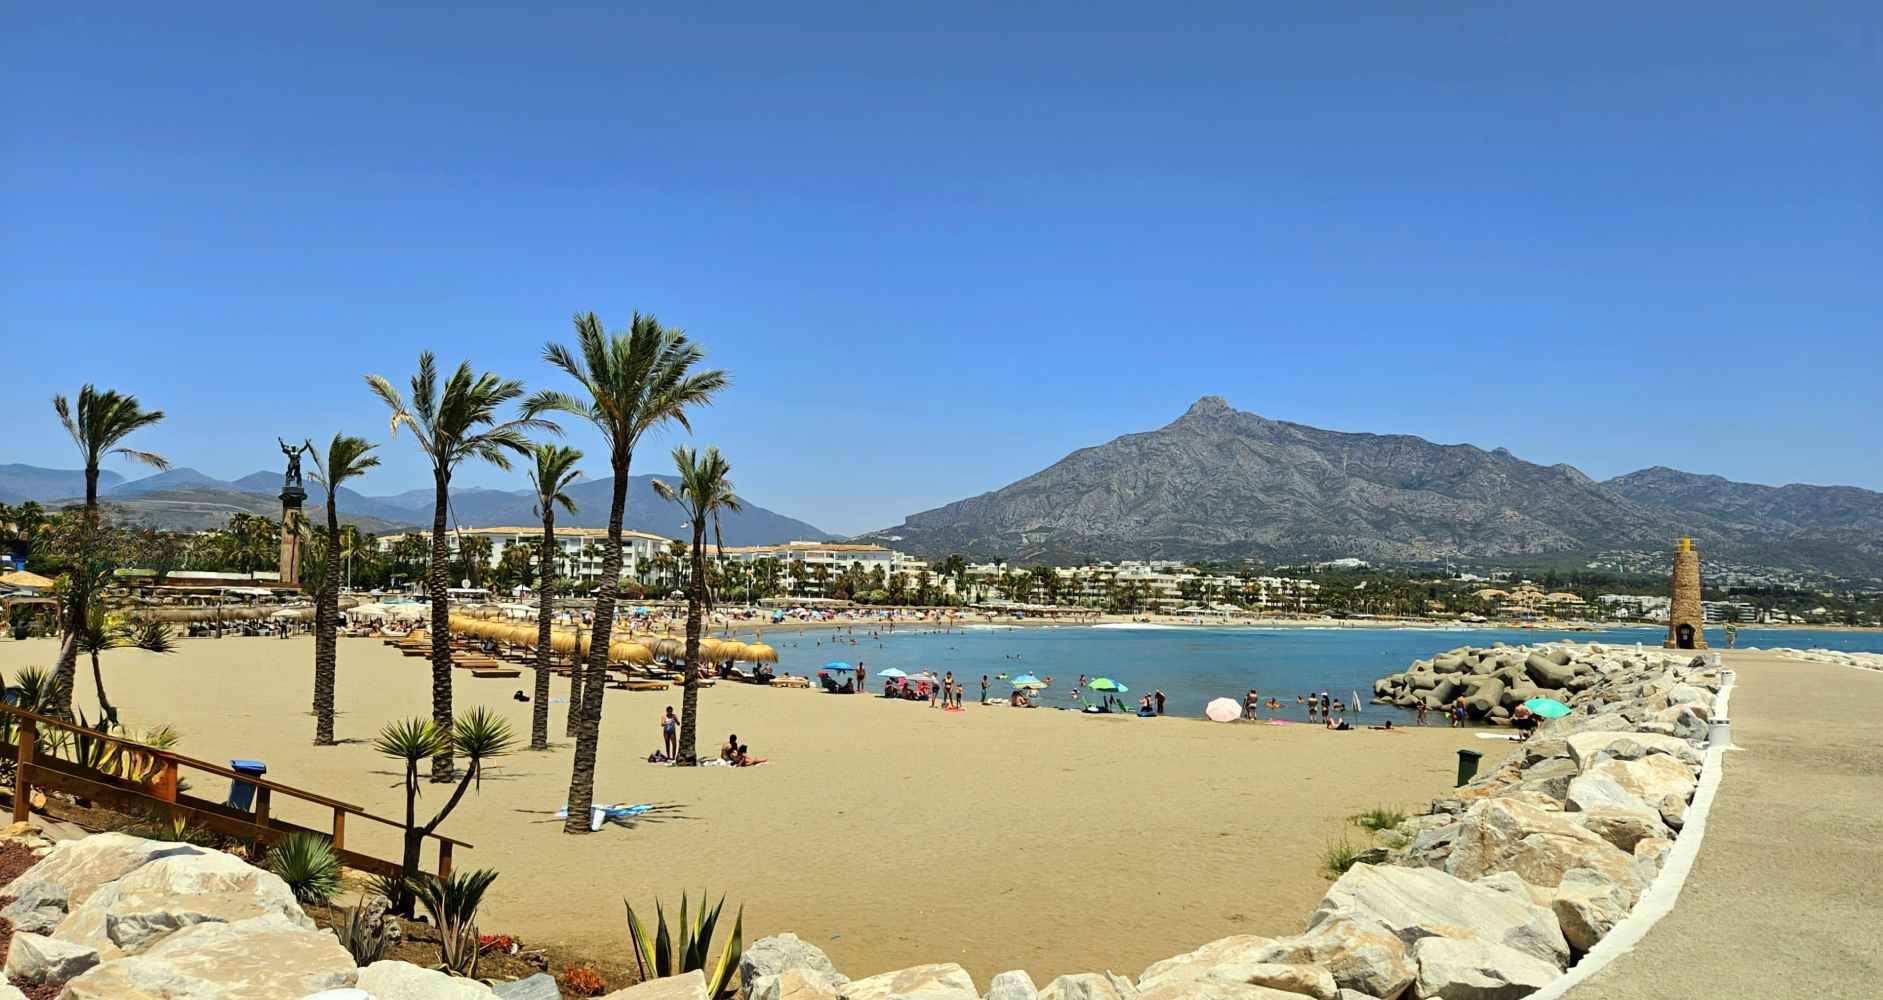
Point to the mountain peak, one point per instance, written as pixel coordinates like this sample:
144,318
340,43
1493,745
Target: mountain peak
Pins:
1208,406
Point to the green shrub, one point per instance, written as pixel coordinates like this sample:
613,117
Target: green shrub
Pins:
307,862
363,932
1338,857
1380,818
452,904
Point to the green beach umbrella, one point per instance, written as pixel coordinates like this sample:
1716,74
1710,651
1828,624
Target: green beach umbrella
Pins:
1546,708
1107,684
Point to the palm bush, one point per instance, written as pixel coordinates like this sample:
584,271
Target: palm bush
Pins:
307,862
477,734
685,948
452,904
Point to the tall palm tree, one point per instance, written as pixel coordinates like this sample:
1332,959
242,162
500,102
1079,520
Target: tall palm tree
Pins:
451,424
703,491
347,458
554,473
630,383
97,424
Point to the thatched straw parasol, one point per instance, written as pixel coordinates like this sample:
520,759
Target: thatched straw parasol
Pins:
759,652
630,652
668,648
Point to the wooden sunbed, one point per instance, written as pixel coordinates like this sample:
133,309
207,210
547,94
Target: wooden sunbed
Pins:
496,672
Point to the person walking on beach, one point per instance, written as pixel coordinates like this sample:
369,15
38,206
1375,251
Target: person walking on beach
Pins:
948,688
670,733
1458,714
983,689
1159,695
957,696
1249,706
1314,709
1420,710
1732,634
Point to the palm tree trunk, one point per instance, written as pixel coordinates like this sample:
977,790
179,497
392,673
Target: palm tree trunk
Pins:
545,610
588,727
65,670
326,639
576,704
437,583
107,716
690,690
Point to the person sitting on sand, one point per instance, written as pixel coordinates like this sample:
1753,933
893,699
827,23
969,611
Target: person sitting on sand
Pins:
742,758
1338,726
731,747
1525,721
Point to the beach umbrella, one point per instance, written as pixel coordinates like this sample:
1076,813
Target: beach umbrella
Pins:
1546,708
1222,710
668,647
1107,684
732,649
891,672
630,652
838,665
1023,679
759,652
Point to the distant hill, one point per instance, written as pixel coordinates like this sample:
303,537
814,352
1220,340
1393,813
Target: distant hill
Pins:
187,499
1218,483
20,483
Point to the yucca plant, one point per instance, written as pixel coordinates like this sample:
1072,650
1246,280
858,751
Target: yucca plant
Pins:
307,862
396,889
478,734
667,954
452,904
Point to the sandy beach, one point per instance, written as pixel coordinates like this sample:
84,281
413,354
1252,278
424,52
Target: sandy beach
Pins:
887,833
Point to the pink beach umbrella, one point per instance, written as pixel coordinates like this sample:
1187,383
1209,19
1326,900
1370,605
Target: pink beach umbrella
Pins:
1222,710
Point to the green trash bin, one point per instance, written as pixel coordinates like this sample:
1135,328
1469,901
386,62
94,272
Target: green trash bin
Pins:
1467,765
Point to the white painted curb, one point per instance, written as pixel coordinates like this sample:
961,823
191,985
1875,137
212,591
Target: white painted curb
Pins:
1659,900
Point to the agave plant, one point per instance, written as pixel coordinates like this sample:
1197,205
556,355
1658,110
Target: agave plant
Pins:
364,930
307,862
671,954
452,904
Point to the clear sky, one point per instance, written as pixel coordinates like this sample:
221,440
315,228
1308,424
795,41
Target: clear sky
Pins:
939,246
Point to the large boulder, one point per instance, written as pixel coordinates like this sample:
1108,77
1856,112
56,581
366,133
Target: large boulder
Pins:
1583,746
541,986
1213,989
686,986
240,962
791,984
1648,780
1588,904
38,908
1415,903
1015,985
1549,777
1089,986
79,867
1196,964
1624,826
1361,954
771,956
38,960
1489,695
1295,979
170,892
1504,834
944,981
1462,969
1546,672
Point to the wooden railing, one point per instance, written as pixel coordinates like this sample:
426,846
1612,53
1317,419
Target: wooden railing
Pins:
158,793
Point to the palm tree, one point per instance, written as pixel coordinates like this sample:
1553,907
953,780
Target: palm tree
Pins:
703,491
97,424
631,382
554,473
347,458
451,425
100,633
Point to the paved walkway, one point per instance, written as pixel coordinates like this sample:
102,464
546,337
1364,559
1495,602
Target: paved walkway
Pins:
1786,896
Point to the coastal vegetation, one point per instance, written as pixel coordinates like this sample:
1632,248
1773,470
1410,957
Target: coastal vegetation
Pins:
452,903
346,458
451,424
687,948
630,383
308,864
704,491
552,474
477,734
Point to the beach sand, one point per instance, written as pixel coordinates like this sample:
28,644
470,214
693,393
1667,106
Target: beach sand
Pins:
887,833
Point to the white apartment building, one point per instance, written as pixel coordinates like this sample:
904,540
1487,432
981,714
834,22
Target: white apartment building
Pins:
799,562
1164,582
581,548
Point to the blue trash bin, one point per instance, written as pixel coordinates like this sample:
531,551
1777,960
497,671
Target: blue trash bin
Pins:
241,793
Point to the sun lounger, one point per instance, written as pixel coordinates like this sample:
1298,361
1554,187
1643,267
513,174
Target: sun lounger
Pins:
496,672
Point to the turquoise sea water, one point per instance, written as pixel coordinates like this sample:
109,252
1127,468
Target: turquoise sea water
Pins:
1193,665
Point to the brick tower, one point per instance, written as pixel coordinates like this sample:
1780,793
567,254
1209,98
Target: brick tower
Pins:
1686,625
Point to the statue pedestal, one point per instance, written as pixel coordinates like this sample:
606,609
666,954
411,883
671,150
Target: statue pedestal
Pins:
291,499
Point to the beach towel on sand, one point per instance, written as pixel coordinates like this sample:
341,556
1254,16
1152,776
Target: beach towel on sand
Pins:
600,814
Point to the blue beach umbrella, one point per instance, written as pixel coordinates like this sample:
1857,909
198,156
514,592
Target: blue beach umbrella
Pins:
891,672
837,665
1546,708
1023,679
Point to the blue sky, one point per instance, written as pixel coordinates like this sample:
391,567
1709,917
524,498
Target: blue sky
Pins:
939,246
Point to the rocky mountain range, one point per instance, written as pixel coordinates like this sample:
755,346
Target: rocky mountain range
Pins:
1218,483
186,499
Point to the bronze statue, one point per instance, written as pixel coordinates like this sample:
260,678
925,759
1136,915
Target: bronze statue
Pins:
293,476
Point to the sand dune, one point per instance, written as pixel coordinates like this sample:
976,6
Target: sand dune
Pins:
887,833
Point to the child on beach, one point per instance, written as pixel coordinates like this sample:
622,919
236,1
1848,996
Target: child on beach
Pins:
1458,714
670,732
1420,710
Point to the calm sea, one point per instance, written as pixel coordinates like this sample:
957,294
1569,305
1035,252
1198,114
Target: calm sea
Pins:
1193,665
